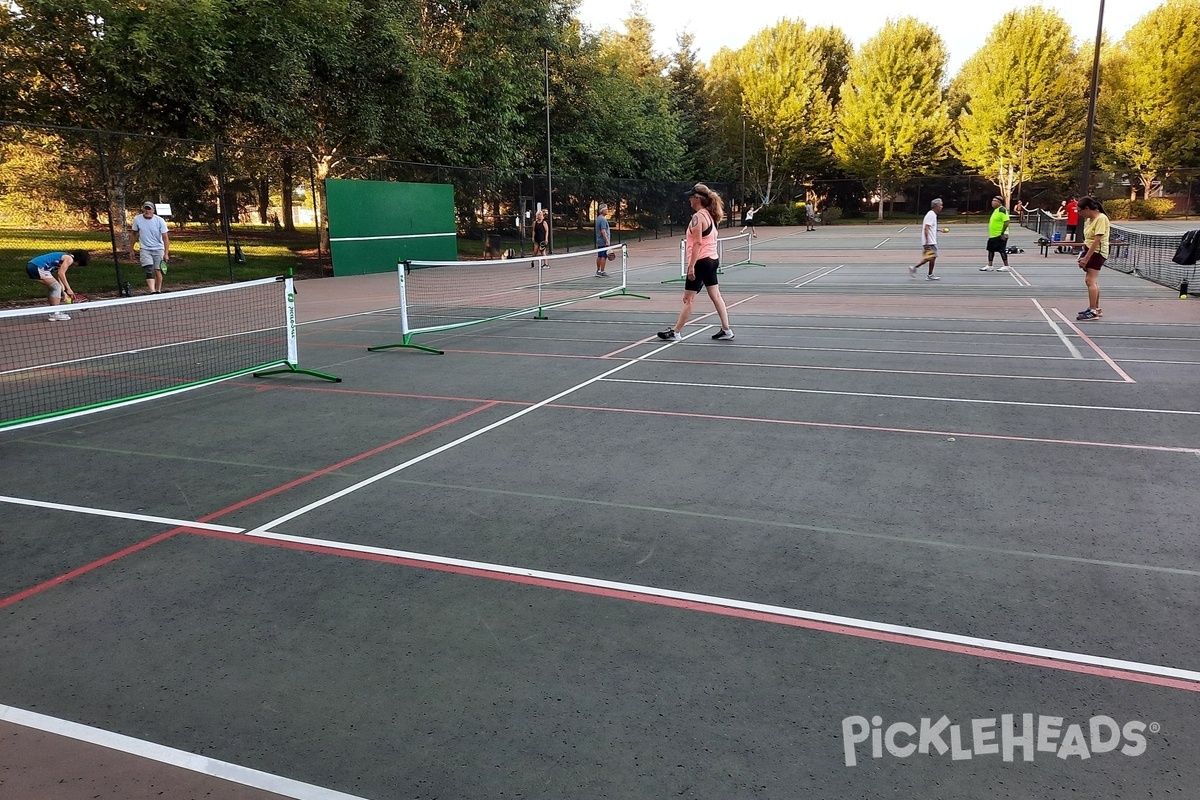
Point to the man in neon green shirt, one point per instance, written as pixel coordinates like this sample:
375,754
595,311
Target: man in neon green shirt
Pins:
997,235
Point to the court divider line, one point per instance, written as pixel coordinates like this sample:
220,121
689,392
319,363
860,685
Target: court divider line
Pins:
994,649
885,429
479,432
888,371
1094,346
190,526
1058,331
462,439
204,765
1018,277
101,512
818,277
1026,403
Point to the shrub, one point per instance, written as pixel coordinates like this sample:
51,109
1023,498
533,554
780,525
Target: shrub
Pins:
778,215
1158,207
831,215
1119,209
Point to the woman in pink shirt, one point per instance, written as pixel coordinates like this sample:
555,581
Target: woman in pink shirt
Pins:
701,255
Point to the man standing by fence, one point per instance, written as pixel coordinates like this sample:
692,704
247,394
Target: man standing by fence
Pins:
154,246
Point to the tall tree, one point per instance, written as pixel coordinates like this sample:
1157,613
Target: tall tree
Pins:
779,75
1023,101
690,102
894,123
1138,119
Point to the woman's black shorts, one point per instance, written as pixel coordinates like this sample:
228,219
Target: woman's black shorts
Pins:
706,275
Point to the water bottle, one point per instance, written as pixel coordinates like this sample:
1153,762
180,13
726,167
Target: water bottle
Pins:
1058,236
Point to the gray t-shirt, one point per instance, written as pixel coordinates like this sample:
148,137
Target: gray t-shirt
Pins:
602,232
150,231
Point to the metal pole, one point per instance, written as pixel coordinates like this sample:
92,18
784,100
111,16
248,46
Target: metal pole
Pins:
108,202
549,178
742,199
224,211
1086,182
1024,139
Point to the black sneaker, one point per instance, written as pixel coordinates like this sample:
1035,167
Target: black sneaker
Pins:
669,335
723,335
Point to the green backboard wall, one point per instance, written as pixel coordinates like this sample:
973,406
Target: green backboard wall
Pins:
374,224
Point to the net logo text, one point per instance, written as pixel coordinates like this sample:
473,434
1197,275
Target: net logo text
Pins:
1029,734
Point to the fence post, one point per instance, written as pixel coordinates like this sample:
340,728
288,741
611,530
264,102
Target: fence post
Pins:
221,198
108,205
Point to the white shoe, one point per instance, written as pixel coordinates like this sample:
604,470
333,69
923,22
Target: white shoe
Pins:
58,316
932,278
1003,269
912,272
985,269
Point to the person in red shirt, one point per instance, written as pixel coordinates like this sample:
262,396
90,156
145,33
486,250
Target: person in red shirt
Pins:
1072,209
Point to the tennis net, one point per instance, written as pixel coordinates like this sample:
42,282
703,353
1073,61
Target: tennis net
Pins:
1134,252
444,295
732,251
113,352
1148,255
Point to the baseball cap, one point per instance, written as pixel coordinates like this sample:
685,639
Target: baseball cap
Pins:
148,204
696,190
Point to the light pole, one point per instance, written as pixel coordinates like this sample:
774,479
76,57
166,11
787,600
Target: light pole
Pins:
1024,139
549,180
1086,182
742,199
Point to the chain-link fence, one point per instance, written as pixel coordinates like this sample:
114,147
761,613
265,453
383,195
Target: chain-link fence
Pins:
240,211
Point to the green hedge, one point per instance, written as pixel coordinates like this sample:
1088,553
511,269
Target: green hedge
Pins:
1152,208
781,214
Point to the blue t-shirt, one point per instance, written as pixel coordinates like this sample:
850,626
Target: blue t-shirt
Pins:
601,231
50,261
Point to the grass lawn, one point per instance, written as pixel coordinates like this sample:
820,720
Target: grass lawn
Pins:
198,258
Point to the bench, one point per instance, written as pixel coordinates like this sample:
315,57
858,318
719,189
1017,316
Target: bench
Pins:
1115,249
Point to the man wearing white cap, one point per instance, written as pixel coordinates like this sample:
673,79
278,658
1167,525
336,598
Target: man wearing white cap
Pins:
154,246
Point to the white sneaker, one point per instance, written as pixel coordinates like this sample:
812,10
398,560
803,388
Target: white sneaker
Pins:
58,316
1003,269
985,269
932,278
912,272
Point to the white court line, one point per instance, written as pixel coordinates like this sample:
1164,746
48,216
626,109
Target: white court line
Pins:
800,348
631,591
1018,277
1095,347
1024,403
881,244
463,439
265,781
1058,331
822,275
881,371
805,275
902,230
100,512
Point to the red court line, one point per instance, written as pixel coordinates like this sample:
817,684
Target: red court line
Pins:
75,573
86,568
720,610
344,463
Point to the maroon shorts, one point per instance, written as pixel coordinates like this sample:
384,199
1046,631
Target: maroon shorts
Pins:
1094,261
